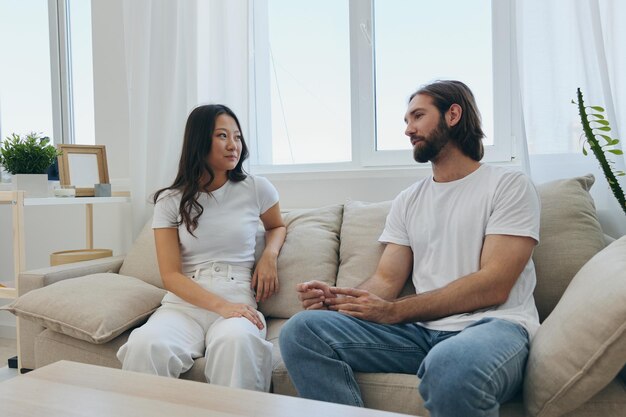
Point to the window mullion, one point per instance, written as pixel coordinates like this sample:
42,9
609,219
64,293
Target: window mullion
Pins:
362,81
60,69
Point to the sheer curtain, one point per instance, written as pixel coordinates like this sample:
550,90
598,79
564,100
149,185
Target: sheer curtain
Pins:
179,54
562,45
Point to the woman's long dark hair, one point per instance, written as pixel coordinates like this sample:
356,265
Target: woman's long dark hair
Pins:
193,162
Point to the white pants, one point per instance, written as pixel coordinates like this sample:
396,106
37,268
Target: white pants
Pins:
237,354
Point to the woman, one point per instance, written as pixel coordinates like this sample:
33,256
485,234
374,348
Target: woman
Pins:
204,228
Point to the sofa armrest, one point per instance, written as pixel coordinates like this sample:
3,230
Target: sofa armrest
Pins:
38,278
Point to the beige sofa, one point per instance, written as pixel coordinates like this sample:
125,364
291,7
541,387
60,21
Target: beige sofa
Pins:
574,360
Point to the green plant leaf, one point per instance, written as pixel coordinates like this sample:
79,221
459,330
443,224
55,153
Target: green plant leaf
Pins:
27,155
599,116
584,151
600,152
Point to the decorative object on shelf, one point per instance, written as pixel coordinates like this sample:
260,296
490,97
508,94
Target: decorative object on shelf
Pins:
83,166
596,122
65,191
102,190
27,158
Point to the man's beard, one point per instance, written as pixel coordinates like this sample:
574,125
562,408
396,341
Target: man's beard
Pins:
431,145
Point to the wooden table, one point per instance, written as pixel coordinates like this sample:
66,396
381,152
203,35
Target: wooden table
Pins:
68,389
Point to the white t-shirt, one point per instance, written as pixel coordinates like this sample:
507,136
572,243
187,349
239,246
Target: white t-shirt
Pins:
226,229
445,225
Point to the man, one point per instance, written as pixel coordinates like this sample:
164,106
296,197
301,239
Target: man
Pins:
467,234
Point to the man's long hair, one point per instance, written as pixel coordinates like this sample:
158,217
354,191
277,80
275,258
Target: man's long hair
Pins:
468,133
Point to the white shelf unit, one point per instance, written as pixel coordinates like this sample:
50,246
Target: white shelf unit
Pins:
17,201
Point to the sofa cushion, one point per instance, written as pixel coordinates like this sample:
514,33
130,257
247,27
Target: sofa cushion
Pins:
579,348
141,260
570,235
310,252
359,250
95,308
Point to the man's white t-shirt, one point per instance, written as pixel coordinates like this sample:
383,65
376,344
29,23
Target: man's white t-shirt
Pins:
226,229
445,225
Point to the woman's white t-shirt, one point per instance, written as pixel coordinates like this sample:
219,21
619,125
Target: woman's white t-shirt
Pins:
445,225
226,229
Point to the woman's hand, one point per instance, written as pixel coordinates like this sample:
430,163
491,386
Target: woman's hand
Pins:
230,310
265,277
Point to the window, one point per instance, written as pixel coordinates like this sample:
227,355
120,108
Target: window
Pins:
307,109
25,82
332,78
46,79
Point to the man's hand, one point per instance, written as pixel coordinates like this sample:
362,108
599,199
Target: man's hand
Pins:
314,294
361,304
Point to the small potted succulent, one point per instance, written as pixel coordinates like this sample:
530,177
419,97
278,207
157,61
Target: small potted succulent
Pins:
27,158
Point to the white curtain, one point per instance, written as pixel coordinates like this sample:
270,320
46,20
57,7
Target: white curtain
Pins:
179,54
562,45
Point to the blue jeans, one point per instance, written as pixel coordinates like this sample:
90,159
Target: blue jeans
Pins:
467,373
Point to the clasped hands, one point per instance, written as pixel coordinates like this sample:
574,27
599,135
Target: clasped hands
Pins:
358,303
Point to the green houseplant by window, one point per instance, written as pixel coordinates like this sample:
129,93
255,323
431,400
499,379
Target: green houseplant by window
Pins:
595,131
27,159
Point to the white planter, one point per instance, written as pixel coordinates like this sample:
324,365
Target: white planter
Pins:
35,185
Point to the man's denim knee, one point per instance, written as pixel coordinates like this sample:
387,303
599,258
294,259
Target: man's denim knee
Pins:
298,327
471,373
448,387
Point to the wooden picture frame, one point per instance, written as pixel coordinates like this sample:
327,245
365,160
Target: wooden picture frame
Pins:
83,166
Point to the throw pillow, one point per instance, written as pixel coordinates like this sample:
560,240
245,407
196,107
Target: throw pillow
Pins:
95,308
359,250
570,234
141,261
310,252
579,348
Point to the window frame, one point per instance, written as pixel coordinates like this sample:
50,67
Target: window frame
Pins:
61,72
362,84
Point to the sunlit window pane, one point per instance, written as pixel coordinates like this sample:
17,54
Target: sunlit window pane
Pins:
25,93
310,81
419,41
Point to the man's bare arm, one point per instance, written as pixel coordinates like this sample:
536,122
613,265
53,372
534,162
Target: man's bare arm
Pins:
503,259
394,268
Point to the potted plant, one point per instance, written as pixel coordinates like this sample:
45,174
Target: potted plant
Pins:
27,159
595,130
